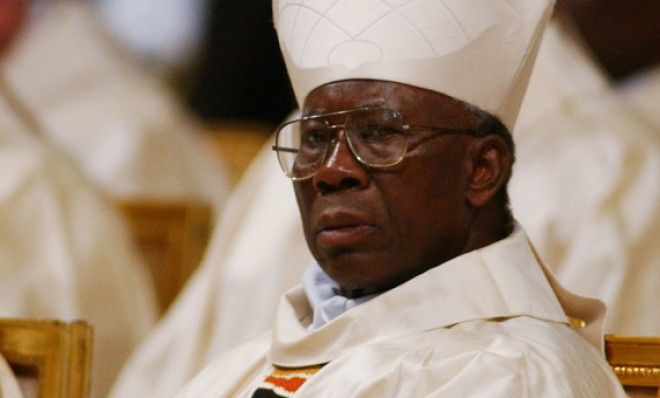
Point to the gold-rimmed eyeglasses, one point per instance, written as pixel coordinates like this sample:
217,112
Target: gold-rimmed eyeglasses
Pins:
377,137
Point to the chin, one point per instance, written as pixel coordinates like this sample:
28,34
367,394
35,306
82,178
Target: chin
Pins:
355,280
363,272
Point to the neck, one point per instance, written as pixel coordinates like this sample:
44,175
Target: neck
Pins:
489,224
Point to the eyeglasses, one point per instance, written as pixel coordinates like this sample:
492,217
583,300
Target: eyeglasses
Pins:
377,137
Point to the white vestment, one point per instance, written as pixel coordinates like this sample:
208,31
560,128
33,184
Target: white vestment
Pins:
65,254
586,186
120,125
491,322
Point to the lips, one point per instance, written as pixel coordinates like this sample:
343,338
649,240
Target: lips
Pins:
342,229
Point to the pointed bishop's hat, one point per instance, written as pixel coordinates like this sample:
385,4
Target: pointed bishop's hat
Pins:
479,51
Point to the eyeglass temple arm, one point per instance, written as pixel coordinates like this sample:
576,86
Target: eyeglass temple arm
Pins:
283,149
441,130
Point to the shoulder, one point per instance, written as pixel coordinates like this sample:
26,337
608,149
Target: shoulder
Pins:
518,357
231,372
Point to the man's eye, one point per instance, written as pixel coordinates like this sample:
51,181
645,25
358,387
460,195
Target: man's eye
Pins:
375,132
314,138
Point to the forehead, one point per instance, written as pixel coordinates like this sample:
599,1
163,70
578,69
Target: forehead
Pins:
414,103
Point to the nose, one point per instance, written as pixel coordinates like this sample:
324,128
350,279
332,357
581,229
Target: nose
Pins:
341,170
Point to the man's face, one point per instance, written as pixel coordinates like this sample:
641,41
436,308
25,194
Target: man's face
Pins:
372,229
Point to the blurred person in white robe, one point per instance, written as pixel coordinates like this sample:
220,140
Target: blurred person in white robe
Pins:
232,296
602,139
162,34
587,185
64,252
623,37
127,132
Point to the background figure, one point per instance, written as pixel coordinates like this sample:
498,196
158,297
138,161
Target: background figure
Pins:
122,127
586,186
71,99
624,37
256,253
164,35
65,254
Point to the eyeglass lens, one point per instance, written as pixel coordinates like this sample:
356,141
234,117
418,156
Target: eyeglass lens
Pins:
375,136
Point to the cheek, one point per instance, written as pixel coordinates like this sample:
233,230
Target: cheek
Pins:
304,197
433,203
434,179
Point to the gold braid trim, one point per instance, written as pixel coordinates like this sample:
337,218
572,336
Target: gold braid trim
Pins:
638,375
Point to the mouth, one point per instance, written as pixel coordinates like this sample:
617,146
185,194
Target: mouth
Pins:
342,230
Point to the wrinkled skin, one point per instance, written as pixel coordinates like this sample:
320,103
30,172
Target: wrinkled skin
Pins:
373,229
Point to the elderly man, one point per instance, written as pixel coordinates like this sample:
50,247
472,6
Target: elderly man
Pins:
425,285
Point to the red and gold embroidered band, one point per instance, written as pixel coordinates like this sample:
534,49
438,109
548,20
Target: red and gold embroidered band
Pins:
284,382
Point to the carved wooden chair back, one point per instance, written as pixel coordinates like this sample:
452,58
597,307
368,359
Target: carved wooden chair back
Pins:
53,356
636,362
172,236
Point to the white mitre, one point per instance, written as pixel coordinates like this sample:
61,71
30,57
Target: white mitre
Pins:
478,51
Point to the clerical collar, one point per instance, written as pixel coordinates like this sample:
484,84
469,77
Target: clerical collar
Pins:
324,296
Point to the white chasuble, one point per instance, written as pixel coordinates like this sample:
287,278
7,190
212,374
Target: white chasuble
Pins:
492,322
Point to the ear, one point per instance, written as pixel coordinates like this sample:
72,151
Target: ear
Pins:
489,166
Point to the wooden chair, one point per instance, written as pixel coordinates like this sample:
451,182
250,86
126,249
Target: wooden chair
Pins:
636,362
55,354
172,236
237,143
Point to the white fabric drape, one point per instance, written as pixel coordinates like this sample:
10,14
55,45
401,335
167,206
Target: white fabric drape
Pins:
65,254
120,125
586,186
